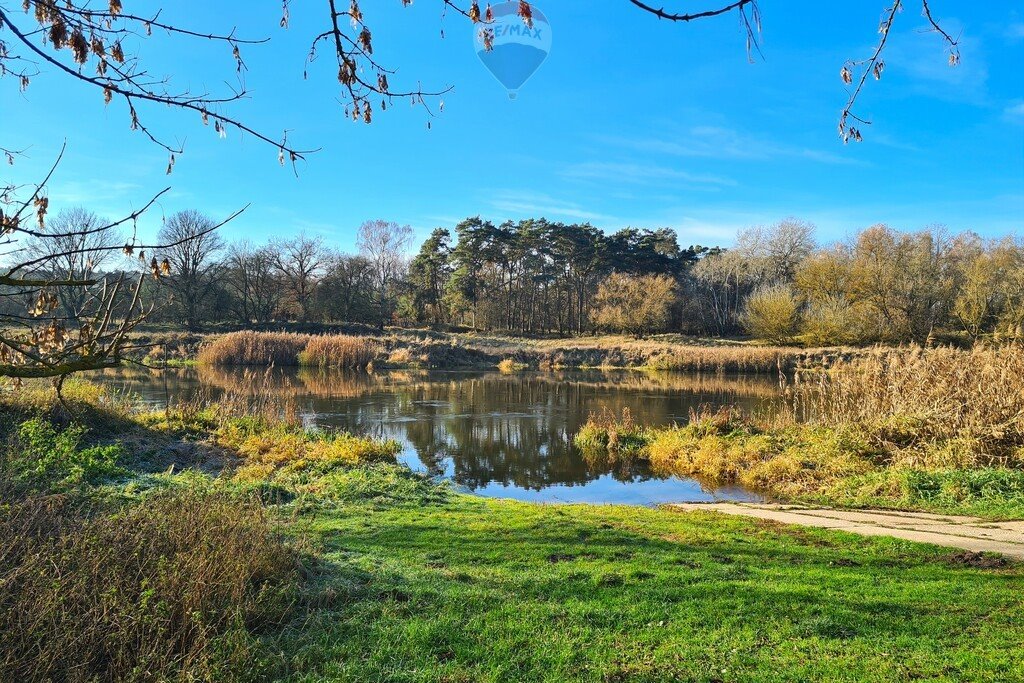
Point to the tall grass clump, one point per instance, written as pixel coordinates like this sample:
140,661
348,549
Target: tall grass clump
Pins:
338,351
753,359
254,348
725,447
613,434
276,450
934,407
177,587
508,366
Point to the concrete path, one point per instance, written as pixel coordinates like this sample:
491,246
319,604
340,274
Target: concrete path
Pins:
969,533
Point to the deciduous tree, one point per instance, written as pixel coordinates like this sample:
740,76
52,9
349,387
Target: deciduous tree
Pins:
193,263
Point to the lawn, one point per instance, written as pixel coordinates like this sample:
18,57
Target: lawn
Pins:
312,556
431,586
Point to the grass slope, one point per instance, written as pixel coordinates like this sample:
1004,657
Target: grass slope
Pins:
424,587
385,575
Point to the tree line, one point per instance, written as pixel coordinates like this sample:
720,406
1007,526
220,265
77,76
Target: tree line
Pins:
535,276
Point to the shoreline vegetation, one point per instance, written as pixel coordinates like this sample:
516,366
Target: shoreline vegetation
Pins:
226,541
426,349
919,429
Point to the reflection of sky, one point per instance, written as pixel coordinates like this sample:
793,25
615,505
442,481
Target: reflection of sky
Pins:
497,435
604,489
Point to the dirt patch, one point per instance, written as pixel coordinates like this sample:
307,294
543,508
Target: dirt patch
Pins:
978,560
555,558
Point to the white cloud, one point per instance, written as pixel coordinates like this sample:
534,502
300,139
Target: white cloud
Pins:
95,190
526,203
1014,112
643,173
718,142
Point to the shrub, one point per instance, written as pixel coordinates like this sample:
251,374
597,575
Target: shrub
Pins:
175,587
634,303
771,313
338,351
39,457
831,320
254,348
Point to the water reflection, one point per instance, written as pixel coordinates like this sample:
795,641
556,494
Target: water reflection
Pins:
495,434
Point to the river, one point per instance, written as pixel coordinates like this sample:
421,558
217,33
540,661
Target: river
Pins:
492,434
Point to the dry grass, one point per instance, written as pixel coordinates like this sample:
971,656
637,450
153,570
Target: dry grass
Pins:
906,426
338,351
289,348
754,359
722,447
616,435
509,366
169,589
931,407
254,348
402,357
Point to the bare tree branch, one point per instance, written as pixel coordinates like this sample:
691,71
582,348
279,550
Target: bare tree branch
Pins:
662,14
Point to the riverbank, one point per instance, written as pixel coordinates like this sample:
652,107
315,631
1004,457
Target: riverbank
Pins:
935,430
350,567
428,349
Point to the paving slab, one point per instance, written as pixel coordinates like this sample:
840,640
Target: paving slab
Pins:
968,533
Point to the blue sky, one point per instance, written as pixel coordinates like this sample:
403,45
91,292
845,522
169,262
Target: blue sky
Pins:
630,121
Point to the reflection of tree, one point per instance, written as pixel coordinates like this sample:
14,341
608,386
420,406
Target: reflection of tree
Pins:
518,430
514,430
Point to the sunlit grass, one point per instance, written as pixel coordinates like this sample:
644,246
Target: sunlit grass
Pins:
186,575
933,429
338,351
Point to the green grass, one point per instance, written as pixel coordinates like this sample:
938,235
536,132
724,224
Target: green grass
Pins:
457,588
399,578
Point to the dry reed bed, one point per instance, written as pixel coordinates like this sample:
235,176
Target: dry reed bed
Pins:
289,349
338,351
883,419
465,351
254,348
919,395
755,359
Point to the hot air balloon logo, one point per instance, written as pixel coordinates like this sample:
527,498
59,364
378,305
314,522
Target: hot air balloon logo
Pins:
511,48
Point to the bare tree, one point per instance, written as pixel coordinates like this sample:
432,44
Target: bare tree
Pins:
75,35
194,270
777,250
79,251
300,262
44,342
385,245
251,276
